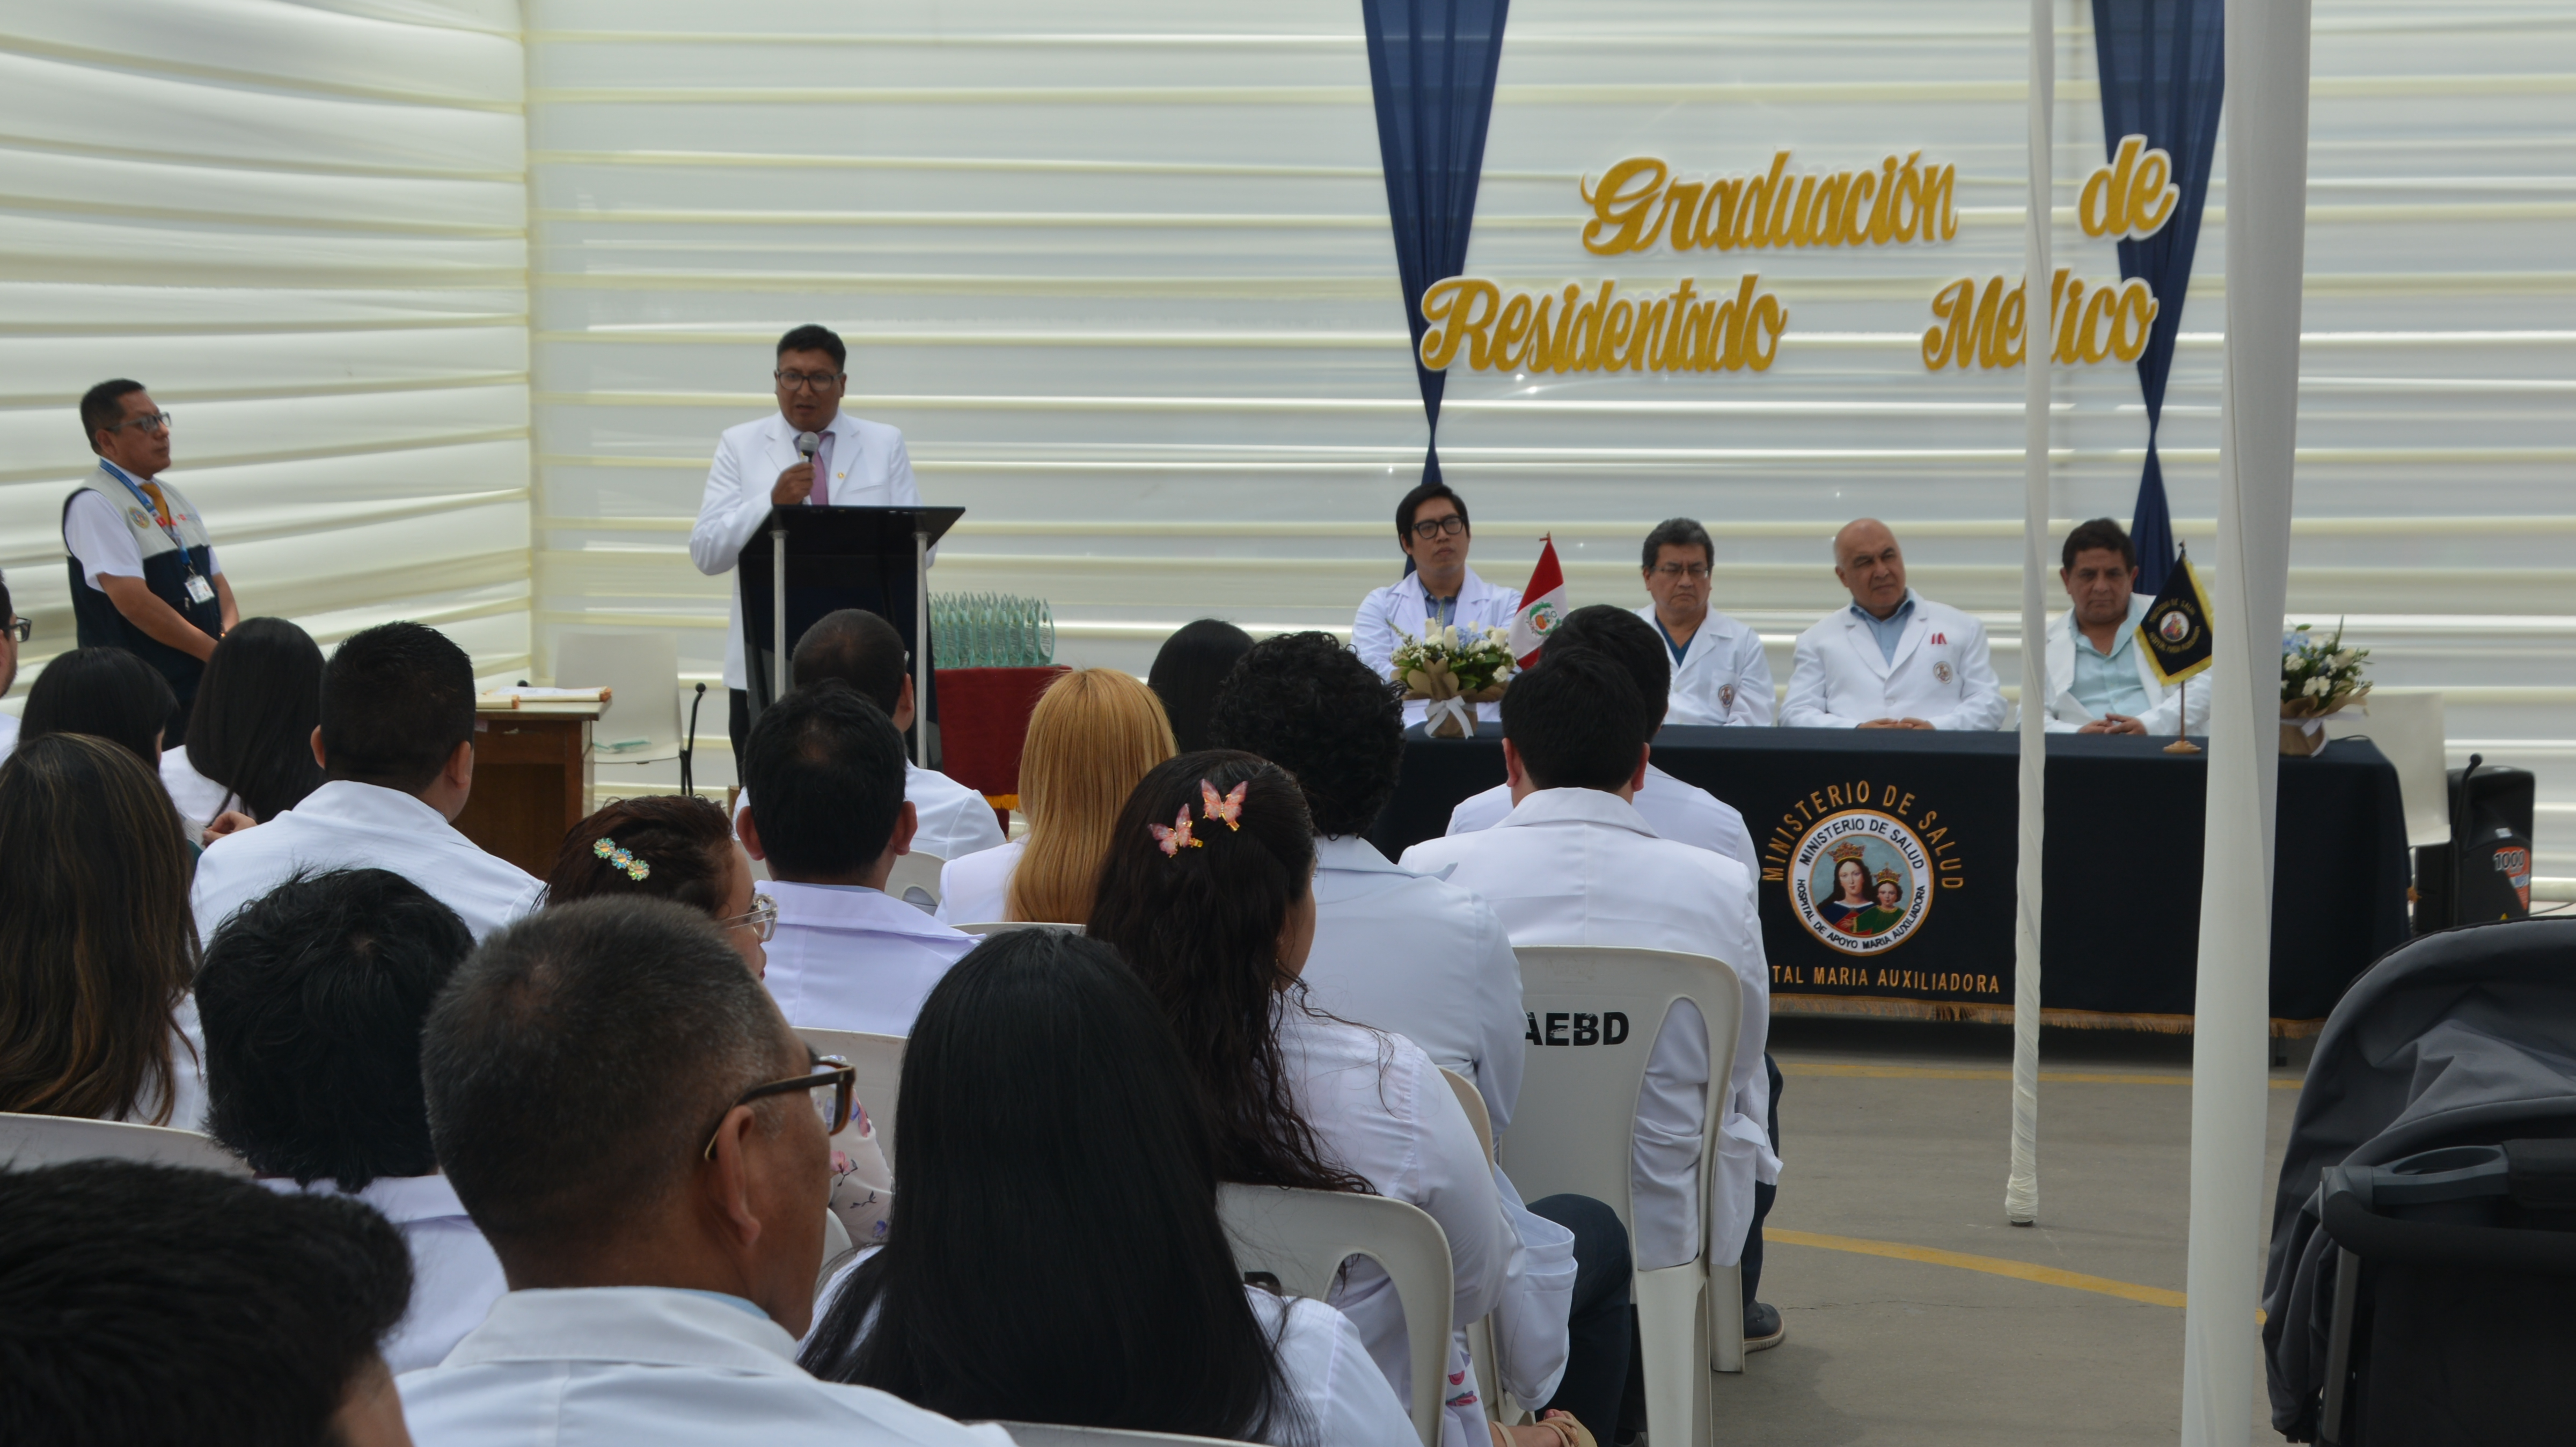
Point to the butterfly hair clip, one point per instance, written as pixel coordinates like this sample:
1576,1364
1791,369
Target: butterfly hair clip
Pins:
1229,808
622,859
1177,838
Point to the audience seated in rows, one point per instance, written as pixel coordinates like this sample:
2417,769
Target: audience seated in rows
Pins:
396,746
863,650
1042,1085
312,997
677,847
1093,734
96,945
250,731
154,1304
1676,810
643,1141
1576,864
1206,892
1186,672
824,768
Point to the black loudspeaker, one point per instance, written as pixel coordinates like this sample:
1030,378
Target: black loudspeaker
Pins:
2484,874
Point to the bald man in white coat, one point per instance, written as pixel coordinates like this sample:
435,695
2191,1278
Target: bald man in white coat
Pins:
1893,659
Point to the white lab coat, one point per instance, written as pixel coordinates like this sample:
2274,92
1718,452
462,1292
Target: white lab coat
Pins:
187,1074
1941,673
349,825
197,798
455,1278
1722,678
952,821
1395,612
973,890
846,957
2066,714
649,1366
1684,813
1582,867
869,469
1380,1109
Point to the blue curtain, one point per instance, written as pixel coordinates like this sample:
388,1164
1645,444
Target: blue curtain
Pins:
2163,65
1431,68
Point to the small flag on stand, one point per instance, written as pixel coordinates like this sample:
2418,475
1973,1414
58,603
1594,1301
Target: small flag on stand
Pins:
2175,631
1542,606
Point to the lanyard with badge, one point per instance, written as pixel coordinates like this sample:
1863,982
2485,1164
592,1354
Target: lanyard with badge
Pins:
198,589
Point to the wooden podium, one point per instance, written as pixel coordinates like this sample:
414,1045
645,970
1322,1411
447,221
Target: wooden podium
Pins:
531,780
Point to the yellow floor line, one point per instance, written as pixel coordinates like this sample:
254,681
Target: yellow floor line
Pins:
1991,1265
1926,1072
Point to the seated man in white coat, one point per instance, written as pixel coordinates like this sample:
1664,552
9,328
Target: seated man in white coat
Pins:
1892,660
1673,809
1719,675
1441,591
396,745
825,776
1576,864
645,1143
862,650
2099,680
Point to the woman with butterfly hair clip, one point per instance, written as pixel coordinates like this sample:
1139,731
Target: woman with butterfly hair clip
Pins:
1206,891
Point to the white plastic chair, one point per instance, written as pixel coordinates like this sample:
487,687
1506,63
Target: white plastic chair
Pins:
28,1141
1005,926
1480,1334
1053,1434
641,672
915,880
879,1062
1572,1132
1302,1238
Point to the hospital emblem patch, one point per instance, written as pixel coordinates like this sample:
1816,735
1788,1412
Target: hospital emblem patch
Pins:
1726,695
139,517
1942,672
1860,881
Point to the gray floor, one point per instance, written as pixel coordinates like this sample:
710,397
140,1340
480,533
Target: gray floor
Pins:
1898,1351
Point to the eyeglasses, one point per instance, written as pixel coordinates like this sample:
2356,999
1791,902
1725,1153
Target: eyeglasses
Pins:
803,381
21,629
148,421
1430,528
761,919
1692,571
829,1072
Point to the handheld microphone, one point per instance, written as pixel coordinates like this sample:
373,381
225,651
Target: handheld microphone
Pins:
808,443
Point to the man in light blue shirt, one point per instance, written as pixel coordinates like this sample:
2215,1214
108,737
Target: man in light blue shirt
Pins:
2100,681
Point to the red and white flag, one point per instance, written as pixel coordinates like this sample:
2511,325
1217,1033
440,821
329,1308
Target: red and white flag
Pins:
1542,606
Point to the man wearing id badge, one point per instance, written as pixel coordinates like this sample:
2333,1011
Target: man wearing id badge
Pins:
143,573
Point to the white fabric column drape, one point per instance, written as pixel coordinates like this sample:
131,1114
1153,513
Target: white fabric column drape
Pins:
2021,1187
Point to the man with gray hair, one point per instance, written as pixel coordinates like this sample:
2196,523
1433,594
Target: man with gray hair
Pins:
1893,659
1719,673
645,1144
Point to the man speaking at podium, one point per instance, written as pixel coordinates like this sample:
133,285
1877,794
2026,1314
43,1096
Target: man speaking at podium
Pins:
760,465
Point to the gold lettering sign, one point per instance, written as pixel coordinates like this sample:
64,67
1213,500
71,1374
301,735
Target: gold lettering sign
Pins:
2131,198
1604,332
2090,322
1639,202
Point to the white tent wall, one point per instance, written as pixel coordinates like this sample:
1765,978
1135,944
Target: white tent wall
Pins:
303,227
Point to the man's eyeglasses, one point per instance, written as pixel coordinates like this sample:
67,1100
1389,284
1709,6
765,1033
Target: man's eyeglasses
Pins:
803,381
1430,528
148,422
761,919
1692,571
832,1081
21,629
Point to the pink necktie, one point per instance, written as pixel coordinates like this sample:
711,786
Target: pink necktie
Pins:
822,494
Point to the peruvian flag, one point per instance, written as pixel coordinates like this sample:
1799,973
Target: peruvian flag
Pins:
1542,606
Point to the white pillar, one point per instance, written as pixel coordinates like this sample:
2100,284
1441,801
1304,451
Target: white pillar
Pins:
2021,1187
2267,169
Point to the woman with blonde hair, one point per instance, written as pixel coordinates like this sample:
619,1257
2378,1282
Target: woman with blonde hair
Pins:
97,946
1093,734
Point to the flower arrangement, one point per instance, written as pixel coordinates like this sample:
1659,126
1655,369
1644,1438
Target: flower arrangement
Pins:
2317,678
1452,670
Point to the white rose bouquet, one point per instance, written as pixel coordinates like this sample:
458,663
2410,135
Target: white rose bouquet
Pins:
2317,678
1452,670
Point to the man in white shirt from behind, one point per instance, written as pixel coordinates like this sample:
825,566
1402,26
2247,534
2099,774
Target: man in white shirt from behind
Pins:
1441,591
2099,680
1576,864
1893,659
661,1233
396,745
312,998
1719,673
824,769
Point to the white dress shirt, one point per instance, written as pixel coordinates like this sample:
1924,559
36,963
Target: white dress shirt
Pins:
1941,673
643,1366
1582,867
1722,678
1410,954
846,957
869,468
1380,1110
1395,612
1685,813
975,889
2066,713
101,542
455,1278
349,825
198,798
954,819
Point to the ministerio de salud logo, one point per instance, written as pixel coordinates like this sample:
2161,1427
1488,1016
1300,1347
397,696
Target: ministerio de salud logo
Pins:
1861,881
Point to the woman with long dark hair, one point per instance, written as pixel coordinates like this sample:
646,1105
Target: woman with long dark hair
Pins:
1186,671
1207,892
1042,1086
250,732
106,693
